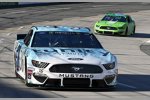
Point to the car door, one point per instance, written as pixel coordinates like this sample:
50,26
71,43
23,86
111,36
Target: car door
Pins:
24,48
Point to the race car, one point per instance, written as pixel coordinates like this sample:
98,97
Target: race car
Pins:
63,56
115,24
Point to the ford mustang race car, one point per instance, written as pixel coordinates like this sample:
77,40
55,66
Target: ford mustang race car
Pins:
115,24
63,56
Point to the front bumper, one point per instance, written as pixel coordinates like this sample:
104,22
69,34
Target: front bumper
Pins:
60,80
109,32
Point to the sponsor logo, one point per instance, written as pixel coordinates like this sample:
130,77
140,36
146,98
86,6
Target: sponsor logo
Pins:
41,70
75,59
108,28
76,68
29,76
29,71
76,75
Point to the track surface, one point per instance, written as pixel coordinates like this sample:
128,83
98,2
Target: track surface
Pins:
134,65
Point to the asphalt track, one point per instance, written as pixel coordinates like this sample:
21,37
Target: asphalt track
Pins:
134,65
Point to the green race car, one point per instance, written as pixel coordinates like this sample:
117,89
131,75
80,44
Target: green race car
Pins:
115,24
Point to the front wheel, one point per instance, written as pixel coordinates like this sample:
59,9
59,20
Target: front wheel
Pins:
26,75
126,32
16,74
133,31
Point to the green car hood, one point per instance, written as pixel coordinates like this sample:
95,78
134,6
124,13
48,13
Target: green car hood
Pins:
111,23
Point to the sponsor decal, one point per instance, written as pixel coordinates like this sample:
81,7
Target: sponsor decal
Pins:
108,28
72,52
76,68
41,70
76,75
29,71
75,59
45,52
29,76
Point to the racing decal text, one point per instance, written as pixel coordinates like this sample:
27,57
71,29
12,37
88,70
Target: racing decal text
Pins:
76,75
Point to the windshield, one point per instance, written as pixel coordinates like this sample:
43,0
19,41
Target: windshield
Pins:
114,18
65,39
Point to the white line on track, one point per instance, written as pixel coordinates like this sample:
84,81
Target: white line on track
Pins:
8,34
58,8
126,85
101,6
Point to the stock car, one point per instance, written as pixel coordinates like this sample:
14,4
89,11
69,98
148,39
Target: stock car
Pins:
115,24
63,56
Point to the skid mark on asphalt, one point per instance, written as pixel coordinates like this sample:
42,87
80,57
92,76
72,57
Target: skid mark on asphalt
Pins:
8,34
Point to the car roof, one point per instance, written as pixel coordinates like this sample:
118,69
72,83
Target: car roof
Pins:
117,14
61,28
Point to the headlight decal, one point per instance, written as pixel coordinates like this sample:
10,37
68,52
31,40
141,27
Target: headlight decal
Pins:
109,66
39,64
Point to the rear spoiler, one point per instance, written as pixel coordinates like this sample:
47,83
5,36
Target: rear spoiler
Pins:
21,36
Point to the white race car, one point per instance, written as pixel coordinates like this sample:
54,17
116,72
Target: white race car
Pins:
63,56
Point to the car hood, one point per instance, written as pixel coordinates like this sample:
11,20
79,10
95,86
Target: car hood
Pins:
73,55
111,23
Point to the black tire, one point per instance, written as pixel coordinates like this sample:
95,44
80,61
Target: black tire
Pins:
133,30
26,76
16,74
126,32
97,33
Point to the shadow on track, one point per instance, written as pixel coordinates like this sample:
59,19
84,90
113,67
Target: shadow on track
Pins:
140,35
7,90
132,82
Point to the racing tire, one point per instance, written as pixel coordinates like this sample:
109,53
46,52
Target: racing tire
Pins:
96,33
133,30
16,74
126,32
26,76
